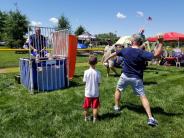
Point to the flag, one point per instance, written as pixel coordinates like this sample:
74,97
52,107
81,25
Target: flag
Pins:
149,18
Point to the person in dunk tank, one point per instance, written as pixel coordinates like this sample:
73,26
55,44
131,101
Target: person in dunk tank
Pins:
38,44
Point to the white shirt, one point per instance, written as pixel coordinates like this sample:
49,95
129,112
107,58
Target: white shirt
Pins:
107,52
92,80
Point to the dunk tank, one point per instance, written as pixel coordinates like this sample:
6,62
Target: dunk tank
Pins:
52,59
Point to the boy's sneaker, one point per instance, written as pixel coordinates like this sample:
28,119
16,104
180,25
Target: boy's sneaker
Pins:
117,109
88,118
94,120
152,122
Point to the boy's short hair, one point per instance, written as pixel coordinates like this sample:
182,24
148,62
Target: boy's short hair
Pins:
92,60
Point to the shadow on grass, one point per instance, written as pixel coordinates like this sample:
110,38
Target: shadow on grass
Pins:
160,68
76,84
83,55
156,70
109,115
150,83
155,110
78,76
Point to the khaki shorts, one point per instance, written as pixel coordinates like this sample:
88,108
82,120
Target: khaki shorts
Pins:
110,63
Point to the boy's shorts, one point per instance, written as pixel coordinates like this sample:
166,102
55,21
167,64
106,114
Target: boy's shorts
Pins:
137,84
91,102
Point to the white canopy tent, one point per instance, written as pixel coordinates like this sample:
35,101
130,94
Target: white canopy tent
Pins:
86,36
124,40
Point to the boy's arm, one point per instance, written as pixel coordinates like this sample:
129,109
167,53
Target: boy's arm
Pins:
112,55
99,78
84,78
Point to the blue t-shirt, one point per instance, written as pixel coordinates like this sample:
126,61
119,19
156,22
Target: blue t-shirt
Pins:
134,61
38,42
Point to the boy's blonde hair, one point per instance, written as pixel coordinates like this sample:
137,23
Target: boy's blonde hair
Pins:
92,60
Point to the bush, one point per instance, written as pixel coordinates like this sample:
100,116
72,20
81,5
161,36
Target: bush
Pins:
15,43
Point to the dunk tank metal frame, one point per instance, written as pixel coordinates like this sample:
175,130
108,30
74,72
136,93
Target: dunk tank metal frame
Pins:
47,67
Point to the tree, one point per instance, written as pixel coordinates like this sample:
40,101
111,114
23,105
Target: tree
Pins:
16,27
3,16
80,30
102,38
64,23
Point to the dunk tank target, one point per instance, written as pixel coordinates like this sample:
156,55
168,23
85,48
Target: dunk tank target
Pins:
51,62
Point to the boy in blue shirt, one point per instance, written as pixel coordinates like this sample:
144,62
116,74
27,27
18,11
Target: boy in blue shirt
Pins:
134,63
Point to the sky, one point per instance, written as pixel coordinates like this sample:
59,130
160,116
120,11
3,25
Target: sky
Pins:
123,17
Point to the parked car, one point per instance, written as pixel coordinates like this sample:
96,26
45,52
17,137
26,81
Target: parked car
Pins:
2,43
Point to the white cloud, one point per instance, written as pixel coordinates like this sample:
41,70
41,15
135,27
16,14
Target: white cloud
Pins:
140,13
36,23
53,20
120,15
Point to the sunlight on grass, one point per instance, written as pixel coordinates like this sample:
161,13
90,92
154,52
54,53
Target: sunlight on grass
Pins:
59,113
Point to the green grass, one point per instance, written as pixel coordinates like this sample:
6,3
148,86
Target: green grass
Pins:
10,59
82,59
59,113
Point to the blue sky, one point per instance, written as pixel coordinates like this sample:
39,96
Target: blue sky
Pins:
100,16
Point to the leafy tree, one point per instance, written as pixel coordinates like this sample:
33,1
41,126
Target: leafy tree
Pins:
2,24
80,30
16,28
64,23
102,38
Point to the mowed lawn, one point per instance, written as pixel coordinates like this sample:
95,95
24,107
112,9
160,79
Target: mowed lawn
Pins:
59,113
10,59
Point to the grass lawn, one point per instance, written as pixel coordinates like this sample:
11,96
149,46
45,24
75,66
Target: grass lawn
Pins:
10,59
59,113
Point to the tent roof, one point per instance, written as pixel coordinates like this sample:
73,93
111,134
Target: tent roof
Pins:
124,40
86,35
170,36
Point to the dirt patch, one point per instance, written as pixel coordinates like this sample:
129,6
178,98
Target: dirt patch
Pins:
9,70
2,70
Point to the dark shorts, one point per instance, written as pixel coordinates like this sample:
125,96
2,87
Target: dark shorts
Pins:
91,102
